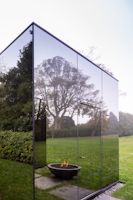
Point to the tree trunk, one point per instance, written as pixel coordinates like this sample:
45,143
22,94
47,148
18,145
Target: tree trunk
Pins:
57,123
95,128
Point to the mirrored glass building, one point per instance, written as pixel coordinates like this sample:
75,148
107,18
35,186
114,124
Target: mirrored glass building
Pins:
58,120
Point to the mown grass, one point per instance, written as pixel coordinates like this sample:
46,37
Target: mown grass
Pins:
16,182
93,174
16,178
125,168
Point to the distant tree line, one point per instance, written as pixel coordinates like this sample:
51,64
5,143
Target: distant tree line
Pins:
125,124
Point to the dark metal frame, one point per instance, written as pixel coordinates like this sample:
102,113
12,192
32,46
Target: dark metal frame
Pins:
33,112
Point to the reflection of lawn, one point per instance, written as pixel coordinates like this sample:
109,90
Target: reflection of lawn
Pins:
16,178
90,176
40,153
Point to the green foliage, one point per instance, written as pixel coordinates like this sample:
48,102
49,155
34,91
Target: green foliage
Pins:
16,92
19,175
67,122
125,124
23,123
16,146
61,133
72,132
60,149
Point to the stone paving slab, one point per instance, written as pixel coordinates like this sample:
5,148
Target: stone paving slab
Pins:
46,182
107,197
70,192
37,175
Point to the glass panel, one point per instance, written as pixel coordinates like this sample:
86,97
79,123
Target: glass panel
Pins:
16,136
89,126
56,99
110,130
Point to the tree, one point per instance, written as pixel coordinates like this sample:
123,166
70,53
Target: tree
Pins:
98,116
113,126
67,122
90,55
56,83
16,92
125,124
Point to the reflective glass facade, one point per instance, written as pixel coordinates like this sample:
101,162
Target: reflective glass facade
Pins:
64,109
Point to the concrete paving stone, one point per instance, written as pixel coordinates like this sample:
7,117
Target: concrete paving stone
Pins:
46,182
37,175
70,192
107,197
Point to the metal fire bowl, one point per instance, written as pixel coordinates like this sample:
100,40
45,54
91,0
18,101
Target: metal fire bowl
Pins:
64,173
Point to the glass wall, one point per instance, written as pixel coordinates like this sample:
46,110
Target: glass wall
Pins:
55,85
79,105
110,133
16,135
75,120
89,125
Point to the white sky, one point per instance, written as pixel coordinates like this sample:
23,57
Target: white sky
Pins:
105,24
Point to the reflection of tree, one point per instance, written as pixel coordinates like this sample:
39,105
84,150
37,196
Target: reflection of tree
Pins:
40,120
16,93
97,115
3,67
113,124
67,122
56,83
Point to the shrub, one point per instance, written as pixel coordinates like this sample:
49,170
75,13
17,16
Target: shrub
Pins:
23,123
72,132
16,146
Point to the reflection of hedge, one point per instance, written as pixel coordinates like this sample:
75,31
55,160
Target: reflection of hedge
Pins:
16,146
72,132
40,131
111,132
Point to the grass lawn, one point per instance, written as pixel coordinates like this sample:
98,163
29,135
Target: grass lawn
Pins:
16,182
16,178
89,158
125,168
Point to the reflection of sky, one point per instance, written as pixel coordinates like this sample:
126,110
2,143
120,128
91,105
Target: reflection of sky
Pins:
91,70
110,94
11,55
47,47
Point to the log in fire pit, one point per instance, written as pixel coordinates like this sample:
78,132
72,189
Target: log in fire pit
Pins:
64,171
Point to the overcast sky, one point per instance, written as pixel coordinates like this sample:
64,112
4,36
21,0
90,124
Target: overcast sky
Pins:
105,24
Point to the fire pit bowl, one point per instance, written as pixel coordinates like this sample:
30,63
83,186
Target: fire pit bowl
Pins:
64,172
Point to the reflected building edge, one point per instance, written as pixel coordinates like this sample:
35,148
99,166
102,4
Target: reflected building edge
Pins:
40,132
110,130
89,125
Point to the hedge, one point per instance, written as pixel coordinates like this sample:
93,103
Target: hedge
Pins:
72,132
16,146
